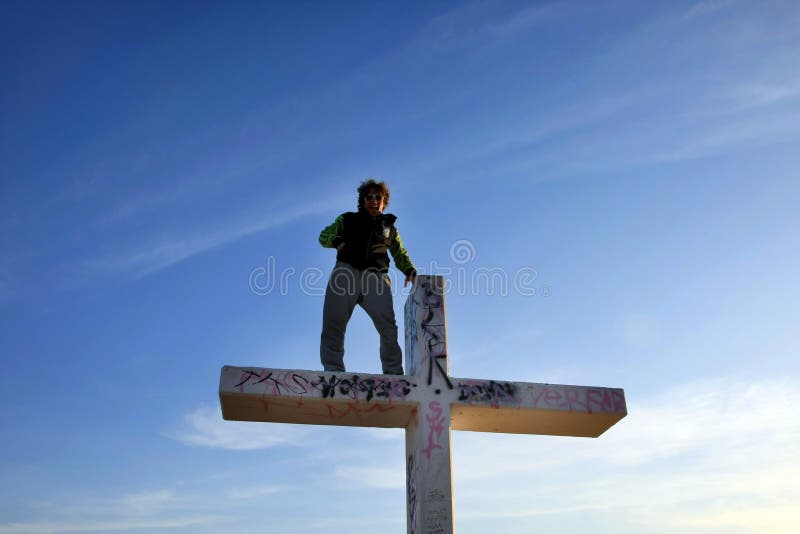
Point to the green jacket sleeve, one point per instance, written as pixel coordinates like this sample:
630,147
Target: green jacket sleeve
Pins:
400,255
331,235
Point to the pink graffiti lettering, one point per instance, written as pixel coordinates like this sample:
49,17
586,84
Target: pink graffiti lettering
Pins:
435,428
591,400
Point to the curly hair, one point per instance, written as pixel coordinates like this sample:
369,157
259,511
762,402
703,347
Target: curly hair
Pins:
368,184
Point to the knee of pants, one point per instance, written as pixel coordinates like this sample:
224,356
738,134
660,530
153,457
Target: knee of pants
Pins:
388,330
333,330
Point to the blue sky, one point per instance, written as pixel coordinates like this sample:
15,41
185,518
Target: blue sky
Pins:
641,158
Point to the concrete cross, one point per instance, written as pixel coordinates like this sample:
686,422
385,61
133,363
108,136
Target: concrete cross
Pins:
427,402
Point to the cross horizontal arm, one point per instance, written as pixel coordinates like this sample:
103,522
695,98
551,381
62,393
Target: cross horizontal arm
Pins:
320,398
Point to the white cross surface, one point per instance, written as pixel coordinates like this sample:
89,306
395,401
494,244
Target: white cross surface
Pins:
427,402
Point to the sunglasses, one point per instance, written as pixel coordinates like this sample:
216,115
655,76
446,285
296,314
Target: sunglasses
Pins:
374,197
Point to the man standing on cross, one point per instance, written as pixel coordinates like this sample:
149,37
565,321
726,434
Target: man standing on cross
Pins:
361,240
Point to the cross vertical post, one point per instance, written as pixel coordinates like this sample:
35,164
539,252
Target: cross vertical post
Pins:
429,480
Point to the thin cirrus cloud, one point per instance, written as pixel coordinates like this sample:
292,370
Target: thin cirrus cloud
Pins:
56,527
689,419
718,440
706,7
749,95
145,510
252,492
638,330
373,476
148,501
205,427
157,253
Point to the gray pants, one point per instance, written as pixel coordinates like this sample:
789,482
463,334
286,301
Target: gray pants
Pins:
372,290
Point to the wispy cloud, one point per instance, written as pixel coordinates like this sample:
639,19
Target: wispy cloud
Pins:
486,23
638,330
531,16
205,427
677,455
148,501
706,7
739,134
137,205
691,417
765,93
777,518
54,527
157,253
383,434
644,122
372,477
148,510
252,492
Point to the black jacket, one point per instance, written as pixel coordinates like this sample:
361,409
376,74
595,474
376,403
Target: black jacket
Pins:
367,240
